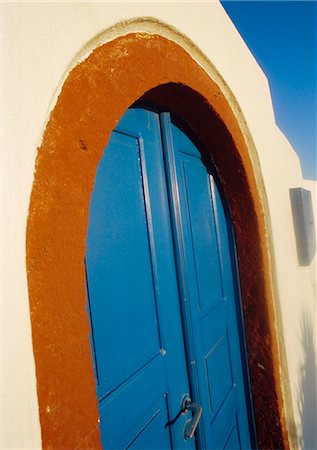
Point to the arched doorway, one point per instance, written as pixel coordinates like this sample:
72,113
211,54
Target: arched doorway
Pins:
93,99
166,329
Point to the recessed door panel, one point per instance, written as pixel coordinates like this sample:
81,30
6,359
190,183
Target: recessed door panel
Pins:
118,262
201,221
162,302
128,410
233,441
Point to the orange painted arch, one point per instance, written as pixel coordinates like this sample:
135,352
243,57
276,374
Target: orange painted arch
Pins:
93,98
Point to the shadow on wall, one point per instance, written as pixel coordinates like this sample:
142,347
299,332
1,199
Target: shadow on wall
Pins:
307,385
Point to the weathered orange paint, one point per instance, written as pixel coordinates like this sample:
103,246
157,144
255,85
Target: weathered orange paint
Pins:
94,97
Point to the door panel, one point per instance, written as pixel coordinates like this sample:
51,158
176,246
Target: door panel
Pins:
161,293
201,221
126,413
133,294
209,303
233,441
119,268
151,437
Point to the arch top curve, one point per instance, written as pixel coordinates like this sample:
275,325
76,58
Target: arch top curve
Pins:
93,98
145,27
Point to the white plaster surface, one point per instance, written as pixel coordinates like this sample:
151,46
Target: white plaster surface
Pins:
40,43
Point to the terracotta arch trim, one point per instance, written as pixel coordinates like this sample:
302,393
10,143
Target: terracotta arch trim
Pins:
93,98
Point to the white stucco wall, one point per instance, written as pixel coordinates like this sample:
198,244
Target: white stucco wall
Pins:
40,42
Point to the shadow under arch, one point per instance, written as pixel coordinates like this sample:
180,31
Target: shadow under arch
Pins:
92,100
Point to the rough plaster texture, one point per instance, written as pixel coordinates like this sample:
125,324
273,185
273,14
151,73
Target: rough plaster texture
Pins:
41,41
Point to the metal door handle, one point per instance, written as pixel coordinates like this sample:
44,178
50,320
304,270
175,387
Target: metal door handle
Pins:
192,424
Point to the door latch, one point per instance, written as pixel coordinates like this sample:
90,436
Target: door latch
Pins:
191,425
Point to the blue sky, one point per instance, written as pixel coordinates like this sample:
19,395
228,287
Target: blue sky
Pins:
282,36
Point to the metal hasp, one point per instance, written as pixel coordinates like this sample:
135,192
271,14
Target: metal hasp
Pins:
192,424
304,227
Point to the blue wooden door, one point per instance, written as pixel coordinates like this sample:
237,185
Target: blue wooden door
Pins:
161,294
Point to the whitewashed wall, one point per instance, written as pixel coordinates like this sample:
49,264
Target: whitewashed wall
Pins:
40,43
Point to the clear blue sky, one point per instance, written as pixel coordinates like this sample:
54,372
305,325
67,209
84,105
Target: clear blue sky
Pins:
282,36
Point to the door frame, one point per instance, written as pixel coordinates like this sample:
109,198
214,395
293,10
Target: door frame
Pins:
93,98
